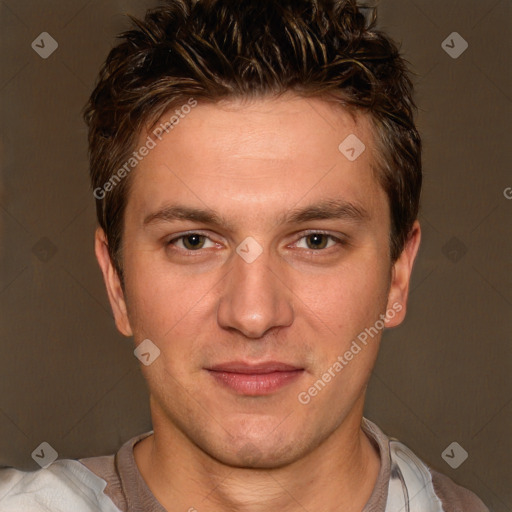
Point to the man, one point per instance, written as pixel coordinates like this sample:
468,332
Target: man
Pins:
257,174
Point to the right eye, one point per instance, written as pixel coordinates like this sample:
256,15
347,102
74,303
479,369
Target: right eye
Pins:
190,241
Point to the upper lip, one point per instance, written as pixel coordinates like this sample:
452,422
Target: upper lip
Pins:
248,368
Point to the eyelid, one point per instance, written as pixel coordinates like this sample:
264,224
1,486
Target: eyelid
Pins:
307,232
189,232
178,236
339,238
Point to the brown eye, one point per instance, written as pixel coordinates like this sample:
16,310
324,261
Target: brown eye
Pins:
316,241
193,241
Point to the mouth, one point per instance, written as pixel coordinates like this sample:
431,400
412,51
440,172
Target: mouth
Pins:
255,379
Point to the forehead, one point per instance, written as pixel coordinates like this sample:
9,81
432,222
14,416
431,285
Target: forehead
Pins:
281,128
257,153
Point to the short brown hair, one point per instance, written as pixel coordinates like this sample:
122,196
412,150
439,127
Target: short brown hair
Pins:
221,49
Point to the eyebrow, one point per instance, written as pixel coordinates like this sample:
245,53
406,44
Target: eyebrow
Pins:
327,209
177,212
324,210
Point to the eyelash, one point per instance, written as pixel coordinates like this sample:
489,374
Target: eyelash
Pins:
340,242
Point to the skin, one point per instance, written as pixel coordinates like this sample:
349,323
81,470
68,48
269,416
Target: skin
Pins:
253,163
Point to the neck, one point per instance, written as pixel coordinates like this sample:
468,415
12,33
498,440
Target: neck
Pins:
340,474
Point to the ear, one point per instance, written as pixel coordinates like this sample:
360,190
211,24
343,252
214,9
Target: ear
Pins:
401,277
112,283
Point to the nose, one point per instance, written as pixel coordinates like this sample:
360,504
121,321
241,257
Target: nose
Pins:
254,299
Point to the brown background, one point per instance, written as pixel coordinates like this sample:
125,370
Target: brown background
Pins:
70,379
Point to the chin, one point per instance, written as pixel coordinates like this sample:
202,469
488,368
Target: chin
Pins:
267,451
251,456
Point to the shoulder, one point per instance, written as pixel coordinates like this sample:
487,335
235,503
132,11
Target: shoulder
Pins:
456,498
406,483
424,488
64,485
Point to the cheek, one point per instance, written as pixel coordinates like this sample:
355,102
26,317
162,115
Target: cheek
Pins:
172,309
156,300
351,297
344,311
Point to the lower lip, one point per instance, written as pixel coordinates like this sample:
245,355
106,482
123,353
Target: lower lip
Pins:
255,384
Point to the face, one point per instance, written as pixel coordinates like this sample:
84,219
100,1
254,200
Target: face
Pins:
255,255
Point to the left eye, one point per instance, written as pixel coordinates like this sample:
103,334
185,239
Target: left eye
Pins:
315,241
191,241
